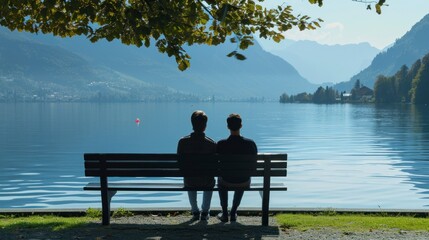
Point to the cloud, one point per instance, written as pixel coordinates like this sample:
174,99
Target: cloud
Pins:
329,33
334,26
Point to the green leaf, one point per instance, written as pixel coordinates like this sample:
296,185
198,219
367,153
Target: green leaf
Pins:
240,57
378,8
183,64
277,38
319,2
146,42
245,43
233,53
155,35
381,2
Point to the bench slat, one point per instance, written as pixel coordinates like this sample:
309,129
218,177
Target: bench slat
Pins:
172,156
130,156
174,164
175,173
172,187
133,164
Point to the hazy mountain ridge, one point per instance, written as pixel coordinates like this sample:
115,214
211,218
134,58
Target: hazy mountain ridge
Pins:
321,63
405,51
262,75
31,70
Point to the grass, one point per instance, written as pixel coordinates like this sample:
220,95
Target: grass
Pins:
56,223
302,222
121,212
49,222
352,222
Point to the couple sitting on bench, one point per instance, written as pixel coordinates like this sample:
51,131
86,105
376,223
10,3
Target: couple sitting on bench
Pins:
198,143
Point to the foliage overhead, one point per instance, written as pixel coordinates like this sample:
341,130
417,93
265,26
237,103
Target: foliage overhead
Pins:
168,24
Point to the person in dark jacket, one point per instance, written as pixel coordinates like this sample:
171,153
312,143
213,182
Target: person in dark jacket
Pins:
198,142
234,144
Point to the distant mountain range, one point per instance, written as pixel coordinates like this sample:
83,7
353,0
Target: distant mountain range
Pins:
31,70
325,64
405,51
43,67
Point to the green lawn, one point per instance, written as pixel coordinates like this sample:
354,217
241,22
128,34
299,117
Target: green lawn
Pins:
352,222
50,222
301,222
54,222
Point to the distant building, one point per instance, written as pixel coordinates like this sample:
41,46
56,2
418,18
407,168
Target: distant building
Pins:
346,97
364,91
363,94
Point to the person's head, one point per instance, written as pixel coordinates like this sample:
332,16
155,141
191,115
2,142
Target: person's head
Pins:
199,121
234,122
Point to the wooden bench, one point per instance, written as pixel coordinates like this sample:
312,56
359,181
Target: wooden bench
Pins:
107,165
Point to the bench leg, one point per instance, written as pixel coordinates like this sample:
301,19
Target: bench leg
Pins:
265,207
106,197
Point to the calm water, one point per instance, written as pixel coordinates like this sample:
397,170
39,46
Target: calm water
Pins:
356,156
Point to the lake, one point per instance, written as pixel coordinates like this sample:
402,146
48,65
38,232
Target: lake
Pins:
340,156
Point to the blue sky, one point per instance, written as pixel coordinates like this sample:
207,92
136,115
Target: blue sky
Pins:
347,21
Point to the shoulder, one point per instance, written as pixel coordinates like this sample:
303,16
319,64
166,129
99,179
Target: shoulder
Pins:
248,140
210,140
185,139
251,144
222,144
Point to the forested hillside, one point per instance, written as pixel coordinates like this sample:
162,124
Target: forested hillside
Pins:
406,50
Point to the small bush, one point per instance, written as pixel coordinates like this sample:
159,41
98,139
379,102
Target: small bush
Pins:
93,213
121,212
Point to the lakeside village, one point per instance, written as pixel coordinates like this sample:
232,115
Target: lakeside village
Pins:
407,85
328,95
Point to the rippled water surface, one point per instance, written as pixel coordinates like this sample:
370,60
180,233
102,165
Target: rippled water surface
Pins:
354,156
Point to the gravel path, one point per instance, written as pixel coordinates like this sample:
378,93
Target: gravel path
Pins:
179,227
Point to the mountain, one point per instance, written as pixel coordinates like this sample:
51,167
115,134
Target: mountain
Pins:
261,75
31,70
320,63
405,51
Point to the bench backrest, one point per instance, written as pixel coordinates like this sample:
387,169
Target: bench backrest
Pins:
174,165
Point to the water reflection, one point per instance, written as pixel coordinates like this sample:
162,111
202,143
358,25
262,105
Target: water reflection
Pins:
342,156
407,131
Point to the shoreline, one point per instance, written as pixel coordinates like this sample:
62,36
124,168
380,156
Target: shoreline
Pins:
242,211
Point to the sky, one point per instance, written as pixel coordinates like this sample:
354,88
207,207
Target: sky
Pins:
347,21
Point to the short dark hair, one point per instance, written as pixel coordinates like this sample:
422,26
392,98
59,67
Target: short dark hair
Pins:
234,121
199,121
